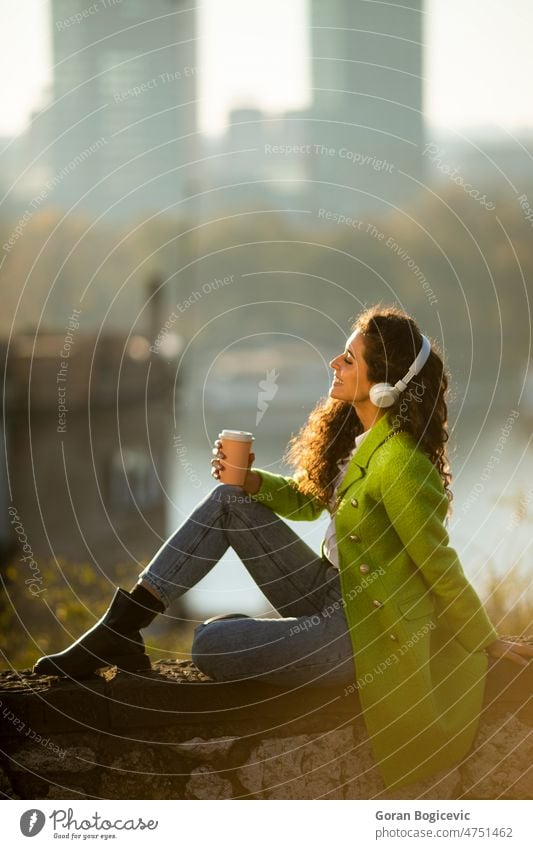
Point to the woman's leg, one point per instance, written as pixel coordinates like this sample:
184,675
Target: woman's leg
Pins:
291,575
297,582
311,644
314,649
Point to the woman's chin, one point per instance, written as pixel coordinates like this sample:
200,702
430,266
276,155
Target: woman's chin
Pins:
338,394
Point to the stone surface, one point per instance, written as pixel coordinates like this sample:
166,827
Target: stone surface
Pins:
205,749
274,768
501,766
304,767
173,734
137,775
6,789
206,783
66,791
74,759
447,784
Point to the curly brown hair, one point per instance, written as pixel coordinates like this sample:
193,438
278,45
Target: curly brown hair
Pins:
392,340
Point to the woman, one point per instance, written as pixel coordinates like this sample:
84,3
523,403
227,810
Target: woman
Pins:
386,609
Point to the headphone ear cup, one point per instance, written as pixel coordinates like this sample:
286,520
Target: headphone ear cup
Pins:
383,394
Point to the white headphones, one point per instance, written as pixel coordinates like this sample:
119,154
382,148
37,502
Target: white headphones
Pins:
384,394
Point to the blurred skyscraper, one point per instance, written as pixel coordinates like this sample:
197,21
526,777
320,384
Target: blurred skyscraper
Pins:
122,122
358,148
366,121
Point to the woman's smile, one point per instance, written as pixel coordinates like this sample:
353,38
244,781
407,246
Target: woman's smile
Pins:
350,379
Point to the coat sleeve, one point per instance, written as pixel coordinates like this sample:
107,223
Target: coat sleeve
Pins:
416,504
283,497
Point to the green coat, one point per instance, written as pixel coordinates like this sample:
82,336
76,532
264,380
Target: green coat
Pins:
417,626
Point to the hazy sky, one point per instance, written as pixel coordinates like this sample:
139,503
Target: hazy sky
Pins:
478,68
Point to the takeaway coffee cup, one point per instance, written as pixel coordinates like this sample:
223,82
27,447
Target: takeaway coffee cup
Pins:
236,446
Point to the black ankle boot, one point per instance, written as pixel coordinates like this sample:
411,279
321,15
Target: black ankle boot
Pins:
114,640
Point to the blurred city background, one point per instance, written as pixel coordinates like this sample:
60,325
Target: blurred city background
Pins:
196,201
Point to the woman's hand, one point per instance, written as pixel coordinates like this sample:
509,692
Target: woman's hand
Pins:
517,652
250,483
216,465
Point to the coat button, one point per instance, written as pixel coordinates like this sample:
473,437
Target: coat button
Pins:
364,568
355,537
377,603
354,502
393,636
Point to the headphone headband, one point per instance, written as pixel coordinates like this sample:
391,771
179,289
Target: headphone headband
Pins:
420,361
384,394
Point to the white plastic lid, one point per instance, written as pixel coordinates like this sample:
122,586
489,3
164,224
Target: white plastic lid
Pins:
237,435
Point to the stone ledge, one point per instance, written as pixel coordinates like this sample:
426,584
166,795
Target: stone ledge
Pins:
172,692
172,733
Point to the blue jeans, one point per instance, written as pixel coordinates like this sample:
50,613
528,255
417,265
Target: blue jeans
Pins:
310,644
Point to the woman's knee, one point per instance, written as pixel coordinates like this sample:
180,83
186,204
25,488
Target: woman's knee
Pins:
229,493
218,648
204,648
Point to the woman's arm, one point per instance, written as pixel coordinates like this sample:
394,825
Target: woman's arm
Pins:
278,492
252,481
416,504
283,496
517,652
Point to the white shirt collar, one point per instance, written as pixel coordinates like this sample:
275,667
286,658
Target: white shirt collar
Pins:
359,439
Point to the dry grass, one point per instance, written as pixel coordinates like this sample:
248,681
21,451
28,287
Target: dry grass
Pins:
75,595
508,599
